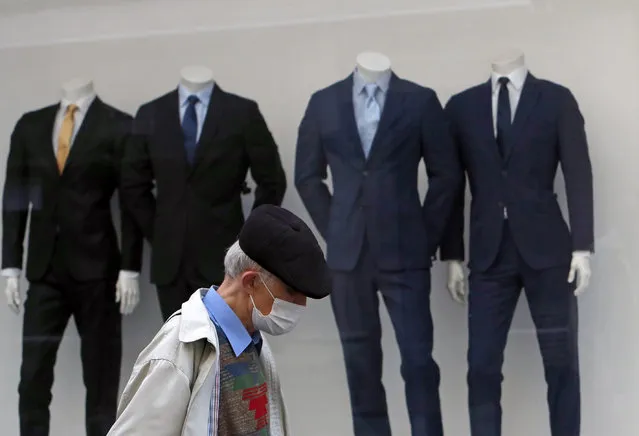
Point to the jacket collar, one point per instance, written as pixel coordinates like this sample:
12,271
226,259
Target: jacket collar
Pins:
196,323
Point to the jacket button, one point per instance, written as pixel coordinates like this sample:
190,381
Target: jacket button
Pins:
504,173
365,173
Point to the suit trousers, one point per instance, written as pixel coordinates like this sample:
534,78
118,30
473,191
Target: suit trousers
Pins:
50,303
356,308
493,298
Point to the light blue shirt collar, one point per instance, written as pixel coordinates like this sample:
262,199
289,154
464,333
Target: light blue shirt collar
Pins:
224,317
359,83
204,94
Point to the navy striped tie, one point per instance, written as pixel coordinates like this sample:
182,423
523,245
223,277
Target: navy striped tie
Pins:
189,127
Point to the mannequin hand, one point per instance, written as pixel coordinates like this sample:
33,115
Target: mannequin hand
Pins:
12,292
580,269
127,292
457,281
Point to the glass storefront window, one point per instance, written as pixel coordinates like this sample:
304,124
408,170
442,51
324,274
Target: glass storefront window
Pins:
467,167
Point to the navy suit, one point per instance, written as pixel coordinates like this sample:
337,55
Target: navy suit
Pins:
519,239
380,237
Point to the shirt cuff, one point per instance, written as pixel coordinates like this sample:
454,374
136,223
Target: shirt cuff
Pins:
581,253
11,272
129,274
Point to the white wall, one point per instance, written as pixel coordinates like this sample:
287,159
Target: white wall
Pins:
279,52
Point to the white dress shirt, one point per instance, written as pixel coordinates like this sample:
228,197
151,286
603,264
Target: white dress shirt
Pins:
517,78
83,107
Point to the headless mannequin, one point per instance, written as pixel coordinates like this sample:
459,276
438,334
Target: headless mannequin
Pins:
195,78
502,65
127,291
371,65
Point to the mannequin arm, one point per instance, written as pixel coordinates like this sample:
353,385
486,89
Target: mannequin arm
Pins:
311,170
580,271
452,244
457,281
127,291
264,160
136,178
443,168
577,170
15,201
132,239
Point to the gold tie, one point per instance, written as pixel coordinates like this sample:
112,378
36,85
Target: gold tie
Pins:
64,138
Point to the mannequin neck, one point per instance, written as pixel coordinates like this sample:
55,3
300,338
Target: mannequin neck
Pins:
508,62
371,66
196,78
77,89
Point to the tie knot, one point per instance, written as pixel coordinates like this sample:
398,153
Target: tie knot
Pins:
71,109
371,89
193,99
503,81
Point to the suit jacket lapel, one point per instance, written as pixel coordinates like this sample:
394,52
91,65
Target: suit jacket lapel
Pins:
88,128
47,146
212,123
169,123
527,102
485,119
393,109
347,119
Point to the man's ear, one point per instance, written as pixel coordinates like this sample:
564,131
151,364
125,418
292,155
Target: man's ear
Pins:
249,281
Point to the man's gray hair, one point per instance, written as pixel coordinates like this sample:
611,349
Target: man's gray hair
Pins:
236,262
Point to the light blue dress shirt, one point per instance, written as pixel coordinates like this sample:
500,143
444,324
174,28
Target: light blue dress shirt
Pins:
224,317
366,130
201,108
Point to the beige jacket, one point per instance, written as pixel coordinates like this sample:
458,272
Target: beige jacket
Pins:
174,387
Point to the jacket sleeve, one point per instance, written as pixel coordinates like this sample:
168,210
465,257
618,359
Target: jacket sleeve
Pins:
15,201
452,243
264,160
443,169
137,178
577,170
132,238
311,170
154,401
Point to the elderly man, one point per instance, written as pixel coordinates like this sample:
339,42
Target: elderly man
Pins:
209,371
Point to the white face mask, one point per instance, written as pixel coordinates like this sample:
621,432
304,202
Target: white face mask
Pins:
283,318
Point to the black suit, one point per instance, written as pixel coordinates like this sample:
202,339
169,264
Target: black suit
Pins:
73,258
196,213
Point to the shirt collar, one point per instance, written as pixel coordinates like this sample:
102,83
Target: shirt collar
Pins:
83,104
517,78
359,83
224,317
204,94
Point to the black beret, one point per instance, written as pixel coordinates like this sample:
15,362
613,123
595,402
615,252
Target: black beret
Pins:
281,243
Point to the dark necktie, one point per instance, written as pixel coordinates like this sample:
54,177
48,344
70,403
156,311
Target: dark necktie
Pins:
504,116
189,127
